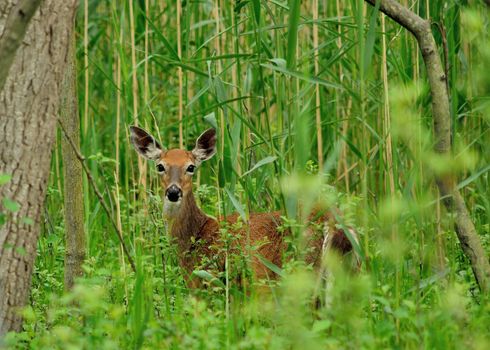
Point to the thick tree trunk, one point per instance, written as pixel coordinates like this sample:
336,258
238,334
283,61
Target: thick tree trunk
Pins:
454,202
73,177
15,26
29,103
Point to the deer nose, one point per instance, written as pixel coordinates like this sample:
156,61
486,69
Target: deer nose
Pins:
173,193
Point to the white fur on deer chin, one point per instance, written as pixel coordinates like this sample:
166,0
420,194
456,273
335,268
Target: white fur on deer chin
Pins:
171,209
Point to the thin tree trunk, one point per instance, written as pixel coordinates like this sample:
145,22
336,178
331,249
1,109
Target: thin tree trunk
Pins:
28,107
19,14
454,202
73,177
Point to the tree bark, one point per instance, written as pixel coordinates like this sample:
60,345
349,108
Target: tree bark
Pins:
15,26
454,202
73,177
29,103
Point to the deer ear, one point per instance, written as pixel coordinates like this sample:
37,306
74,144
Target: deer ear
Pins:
205,145
145,144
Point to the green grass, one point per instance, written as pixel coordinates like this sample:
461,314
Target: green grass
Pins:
251,73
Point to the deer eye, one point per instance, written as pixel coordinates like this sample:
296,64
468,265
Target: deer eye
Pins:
191,168
160,168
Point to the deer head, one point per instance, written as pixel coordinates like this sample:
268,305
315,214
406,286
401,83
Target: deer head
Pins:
175,166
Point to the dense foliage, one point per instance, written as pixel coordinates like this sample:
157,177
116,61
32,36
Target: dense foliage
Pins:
253,69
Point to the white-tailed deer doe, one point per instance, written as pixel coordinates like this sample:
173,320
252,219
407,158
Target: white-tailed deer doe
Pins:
197,235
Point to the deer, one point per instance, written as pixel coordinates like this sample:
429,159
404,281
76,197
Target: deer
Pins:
197,235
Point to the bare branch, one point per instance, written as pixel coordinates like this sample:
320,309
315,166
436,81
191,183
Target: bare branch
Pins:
454,202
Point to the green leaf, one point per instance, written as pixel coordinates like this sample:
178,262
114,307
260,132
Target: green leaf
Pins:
227,158
239,5
185,67
221,94
211,119
321,326
473,177
260,163
221,175
352,147
256,6
10,205
163,39
294,11
21,251
271,266
280,4
371,36
220,57
205,275
4,178
236,204
27,221
298,75
280,62
52,239
198,95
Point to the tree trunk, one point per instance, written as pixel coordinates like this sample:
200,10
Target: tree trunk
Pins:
73,177
16,23
454,202
29,103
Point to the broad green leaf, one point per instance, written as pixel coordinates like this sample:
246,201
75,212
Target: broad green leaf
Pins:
211,119
4,178
11,205
271,266
280,62
321,326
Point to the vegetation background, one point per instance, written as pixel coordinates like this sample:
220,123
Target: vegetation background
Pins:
314,100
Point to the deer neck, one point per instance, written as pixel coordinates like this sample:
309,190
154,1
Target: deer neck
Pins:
186,219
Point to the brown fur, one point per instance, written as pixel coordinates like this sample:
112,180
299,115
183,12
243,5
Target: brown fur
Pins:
198,237
199,245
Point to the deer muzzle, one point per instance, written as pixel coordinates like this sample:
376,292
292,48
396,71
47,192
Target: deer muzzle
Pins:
173,193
